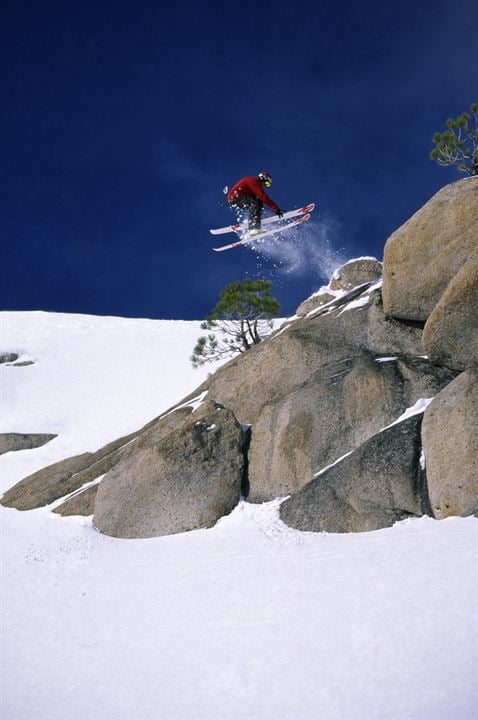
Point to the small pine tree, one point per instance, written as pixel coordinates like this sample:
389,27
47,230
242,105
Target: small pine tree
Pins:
240,320
459,144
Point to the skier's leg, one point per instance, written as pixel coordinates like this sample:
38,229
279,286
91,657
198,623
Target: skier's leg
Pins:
253,206
241,207
255,213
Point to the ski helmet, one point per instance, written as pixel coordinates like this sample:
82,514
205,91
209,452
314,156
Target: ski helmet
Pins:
266,178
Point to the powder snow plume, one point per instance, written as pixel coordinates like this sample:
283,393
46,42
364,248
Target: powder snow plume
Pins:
310,249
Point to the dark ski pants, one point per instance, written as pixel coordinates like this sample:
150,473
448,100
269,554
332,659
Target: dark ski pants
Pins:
251,205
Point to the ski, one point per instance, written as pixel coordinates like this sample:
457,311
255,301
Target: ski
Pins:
247,240
239,227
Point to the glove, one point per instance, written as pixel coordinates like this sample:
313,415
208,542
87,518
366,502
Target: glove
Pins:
279,213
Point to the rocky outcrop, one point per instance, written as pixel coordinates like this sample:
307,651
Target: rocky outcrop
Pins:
68,476
450,442
349,326
349,276
315,301
12,359
11,442
332,413
450,335
48,484
186,479
327,384
423,255
183,470
62,478
8,357
323,386
356,272
379,483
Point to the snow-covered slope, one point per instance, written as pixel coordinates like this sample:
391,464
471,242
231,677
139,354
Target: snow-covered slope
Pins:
249,620
93,380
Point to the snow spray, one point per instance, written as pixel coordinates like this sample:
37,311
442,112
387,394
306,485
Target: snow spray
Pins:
310,250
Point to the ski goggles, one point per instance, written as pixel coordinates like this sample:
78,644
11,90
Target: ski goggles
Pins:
267,183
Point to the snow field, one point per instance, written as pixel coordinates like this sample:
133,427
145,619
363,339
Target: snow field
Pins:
249,620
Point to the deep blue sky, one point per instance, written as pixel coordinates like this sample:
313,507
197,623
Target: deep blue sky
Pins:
122,121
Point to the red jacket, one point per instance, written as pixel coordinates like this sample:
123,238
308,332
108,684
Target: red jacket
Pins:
251,186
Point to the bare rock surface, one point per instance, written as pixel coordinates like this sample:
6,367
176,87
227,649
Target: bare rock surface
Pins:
354,324
313,302
356,272
81,503
450,443
46,485
379,483
184,480
11,442
8,357
62,478
335,411
450,335
422,256
67,476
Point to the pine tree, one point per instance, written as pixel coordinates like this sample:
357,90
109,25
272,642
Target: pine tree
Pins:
459,144
240,320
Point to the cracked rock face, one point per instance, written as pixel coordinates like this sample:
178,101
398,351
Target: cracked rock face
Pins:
331,414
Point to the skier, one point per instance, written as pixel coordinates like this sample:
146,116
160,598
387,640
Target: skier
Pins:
248,195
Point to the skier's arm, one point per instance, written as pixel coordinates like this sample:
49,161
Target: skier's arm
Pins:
262,195
270,203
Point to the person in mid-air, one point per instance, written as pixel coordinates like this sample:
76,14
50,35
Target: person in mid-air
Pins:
248,195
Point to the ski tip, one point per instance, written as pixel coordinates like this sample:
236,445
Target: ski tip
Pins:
229,247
